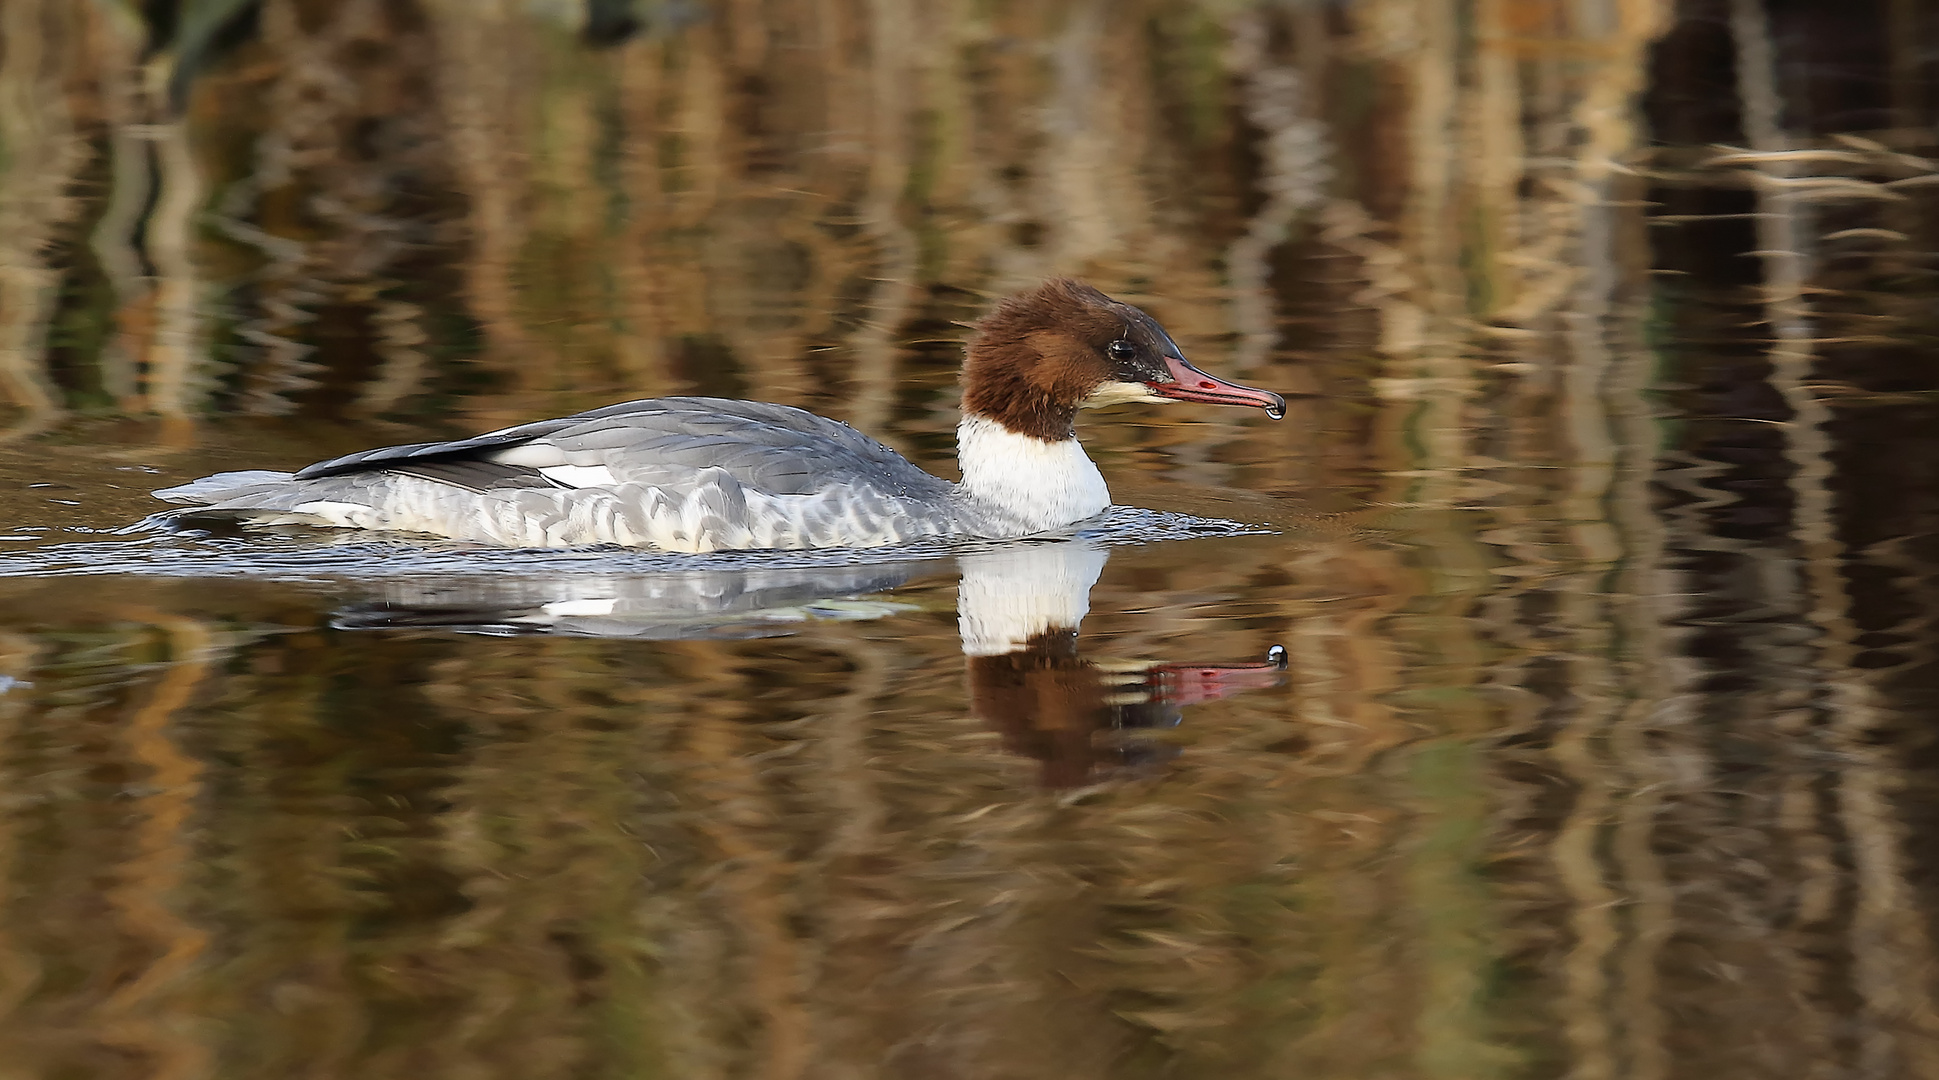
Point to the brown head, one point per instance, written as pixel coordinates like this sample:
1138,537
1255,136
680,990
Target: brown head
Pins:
1044,354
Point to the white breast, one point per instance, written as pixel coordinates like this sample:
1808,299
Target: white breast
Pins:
1033,485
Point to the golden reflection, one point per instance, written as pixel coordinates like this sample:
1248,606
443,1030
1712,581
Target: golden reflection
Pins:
1894,980
43,153
20,966
147,1014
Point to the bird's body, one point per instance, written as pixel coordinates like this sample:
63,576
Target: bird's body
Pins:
709,474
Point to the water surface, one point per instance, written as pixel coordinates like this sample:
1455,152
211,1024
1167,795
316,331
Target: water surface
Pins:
1548,697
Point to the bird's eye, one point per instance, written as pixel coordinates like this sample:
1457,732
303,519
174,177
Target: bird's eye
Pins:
1121,350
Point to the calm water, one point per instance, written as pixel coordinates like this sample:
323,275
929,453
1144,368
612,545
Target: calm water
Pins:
1550,696
1524,793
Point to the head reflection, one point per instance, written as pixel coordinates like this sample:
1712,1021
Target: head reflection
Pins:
1084,720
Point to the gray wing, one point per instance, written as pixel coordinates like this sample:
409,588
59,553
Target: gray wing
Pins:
773,448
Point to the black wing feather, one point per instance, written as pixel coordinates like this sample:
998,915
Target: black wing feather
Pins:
474,475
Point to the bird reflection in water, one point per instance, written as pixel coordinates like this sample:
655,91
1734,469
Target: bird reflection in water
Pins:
1085,720
1018,609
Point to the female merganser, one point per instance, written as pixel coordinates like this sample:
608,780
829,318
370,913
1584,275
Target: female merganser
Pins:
708,474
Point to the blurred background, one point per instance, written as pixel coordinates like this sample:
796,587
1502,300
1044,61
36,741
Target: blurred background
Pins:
1606,558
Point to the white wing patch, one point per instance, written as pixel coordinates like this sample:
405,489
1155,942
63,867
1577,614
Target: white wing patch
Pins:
535,455
578,476
556,465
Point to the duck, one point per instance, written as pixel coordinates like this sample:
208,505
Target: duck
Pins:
704,474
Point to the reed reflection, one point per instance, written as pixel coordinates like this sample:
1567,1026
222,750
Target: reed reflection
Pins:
1019,609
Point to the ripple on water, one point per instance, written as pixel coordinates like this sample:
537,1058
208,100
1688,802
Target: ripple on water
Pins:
320,555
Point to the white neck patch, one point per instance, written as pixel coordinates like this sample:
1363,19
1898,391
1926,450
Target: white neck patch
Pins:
1040,485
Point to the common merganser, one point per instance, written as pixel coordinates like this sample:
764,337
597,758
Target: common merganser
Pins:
708,474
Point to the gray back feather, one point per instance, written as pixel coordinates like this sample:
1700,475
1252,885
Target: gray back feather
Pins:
667,441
